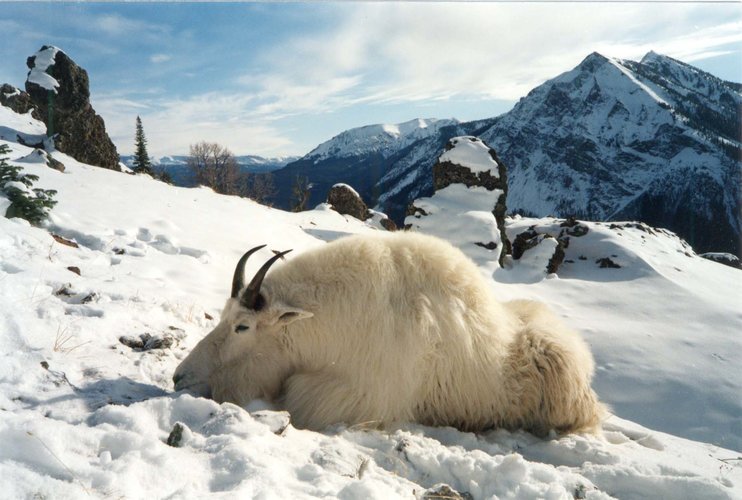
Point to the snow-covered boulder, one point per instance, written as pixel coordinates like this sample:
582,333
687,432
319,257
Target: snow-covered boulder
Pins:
468,207
78,131
346,200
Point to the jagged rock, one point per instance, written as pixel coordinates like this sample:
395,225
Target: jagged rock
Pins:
59,89
345,200
471,189
16,99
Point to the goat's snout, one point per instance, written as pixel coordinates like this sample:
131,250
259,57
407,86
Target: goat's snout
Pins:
184,381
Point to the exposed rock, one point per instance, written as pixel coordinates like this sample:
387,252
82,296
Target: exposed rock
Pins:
572,227
59,89
74,269
445,492
388,224
727,259
607,263
175,439
64,241
531,239
147,342
345,200
16,99
54,164
524,241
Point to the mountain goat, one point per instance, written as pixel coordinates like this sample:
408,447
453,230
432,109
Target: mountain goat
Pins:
388,328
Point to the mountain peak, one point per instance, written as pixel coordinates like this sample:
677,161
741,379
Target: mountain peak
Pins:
651,57
592,62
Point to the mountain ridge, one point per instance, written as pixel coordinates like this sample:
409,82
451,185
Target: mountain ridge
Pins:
654,140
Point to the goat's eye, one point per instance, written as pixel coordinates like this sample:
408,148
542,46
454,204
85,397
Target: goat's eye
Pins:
241,328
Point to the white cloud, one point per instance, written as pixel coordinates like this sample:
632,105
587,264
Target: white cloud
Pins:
410,52
171,125
160,58
116,25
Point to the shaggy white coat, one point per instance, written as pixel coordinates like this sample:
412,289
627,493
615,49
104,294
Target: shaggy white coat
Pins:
396,327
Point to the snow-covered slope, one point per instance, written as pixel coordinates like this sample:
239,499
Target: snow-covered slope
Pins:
84,415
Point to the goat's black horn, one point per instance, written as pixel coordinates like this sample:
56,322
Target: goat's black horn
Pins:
238,280
250,297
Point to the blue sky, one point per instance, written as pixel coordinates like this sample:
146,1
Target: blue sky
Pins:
279,78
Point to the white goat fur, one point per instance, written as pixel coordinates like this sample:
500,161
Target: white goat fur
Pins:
396,327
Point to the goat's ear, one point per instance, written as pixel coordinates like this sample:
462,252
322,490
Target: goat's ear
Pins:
285,315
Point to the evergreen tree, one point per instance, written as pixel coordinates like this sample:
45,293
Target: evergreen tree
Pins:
28,203
141,163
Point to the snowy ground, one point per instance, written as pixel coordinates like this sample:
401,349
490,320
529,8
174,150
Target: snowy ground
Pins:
83,415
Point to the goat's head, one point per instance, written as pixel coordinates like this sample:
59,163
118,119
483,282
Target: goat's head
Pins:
243,357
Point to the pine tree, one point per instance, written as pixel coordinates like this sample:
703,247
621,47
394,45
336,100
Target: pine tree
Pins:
141,162
32,204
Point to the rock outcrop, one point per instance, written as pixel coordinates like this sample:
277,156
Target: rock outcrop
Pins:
468,207
345,200
16,99
59,90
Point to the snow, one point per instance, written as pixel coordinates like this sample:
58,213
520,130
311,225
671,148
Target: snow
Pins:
472,153
82,415
38,74
638,83
348,187
37,156
462,215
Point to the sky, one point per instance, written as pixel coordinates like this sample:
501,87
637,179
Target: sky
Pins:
277,79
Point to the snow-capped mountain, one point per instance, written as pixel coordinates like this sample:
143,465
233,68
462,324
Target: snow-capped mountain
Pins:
379,139
358,157
177,166
655,140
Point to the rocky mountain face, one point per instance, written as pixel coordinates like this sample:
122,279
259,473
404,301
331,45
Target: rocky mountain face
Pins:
655,140
60,92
